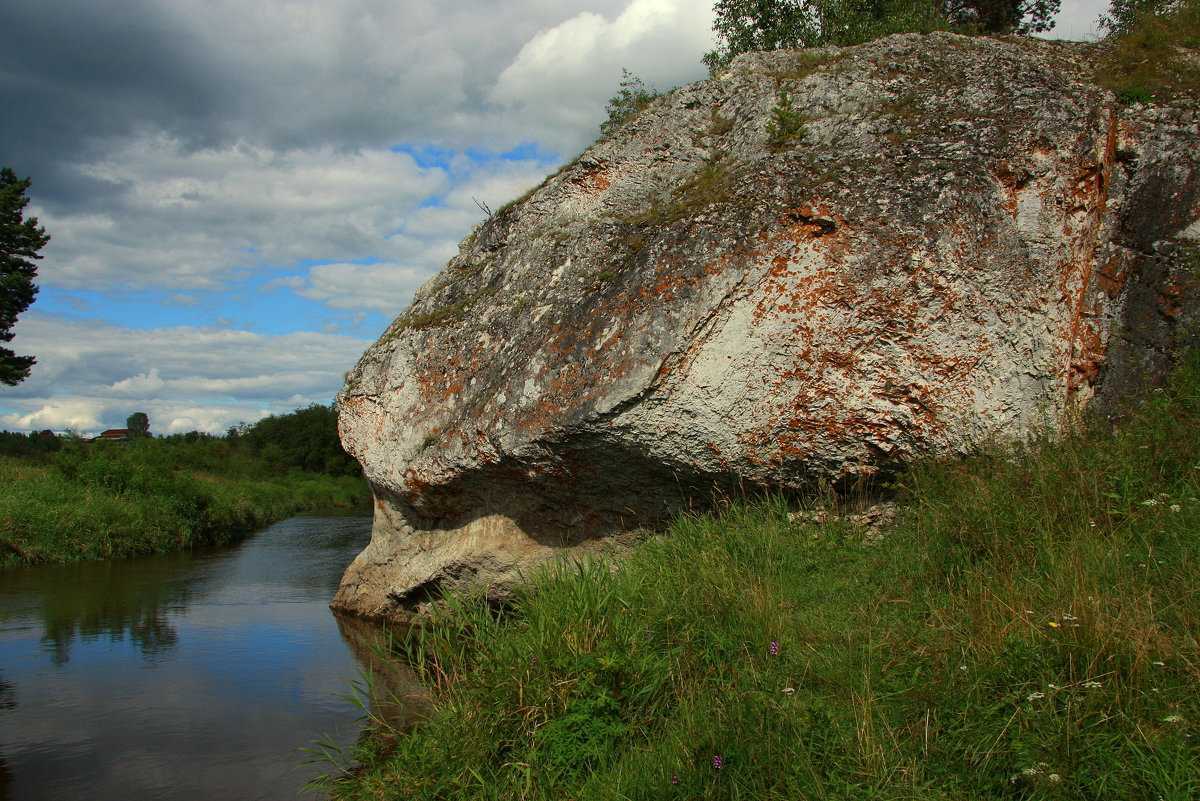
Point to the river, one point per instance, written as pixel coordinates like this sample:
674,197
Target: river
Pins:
187,676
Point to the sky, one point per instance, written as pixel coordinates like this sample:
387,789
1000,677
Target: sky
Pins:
241,196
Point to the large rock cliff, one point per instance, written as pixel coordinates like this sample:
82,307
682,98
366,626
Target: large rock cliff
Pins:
949,239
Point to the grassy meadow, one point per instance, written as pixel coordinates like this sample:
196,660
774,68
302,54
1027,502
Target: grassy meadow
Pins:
107,500
1027,628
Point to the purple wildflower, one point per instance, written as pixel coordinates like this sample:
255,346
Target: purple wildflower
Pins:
718,762
674,778
774,649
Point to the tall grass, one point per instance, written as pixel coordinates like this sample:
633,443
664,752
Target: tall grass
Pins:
110,500
1156,59
1028,628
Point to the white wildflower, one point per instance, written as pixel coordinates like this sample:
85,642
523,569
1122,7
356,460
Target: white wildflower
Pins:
1035,696
1150,502
1054,778
789,690
1069,617
1091,685
1173,719
1175,507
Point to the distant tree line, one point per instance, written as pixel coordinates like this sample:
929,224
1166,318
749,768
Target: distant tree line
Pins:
35,443
305,439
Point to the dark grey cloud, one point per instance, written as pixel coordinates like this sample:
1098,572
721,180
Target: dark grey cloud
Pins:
175,144
78,76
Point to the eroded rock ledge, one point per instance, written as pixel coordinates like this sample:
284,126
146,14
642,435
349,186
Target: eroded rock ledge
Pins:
970,238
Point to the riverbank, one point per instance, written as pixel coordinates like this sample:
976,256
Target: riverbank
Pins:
113,500
1026,628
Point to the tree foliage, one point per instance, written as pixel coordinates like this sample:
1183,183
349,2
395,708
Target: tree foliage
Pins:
20,241
138,424
1003,16
1124,16
306,439
744,26
632,96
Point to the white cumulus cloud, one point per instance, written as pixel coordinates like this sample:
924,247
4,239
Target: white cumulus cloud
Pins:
91,376
562,77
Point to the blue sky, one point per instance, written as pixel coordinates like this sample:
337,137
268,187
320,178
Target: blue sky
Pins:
236,212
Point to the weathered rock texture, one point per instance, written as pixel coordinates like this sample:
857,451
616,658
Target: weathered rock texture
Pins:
970,238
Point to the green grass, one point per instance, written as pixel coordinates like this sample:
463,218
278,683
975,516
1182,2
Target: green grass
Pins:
713,183
443,315
112,500
1026,629
1157,60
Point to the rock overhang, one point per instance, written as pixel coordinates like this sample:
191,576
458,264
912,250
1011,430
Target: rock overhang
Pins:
689,308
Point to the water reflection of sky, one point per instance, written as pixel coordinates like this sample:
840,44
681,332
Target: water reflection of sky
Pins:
177,677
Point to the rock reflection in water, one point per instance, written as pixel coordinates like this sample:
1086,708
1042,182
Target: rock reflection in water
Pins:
397,697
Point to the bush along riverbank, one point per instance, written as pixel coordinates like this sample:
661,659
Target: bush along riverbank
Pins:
1026,628
109,500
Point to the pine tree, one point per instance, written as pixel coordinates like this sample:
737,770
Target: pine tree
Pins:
20,241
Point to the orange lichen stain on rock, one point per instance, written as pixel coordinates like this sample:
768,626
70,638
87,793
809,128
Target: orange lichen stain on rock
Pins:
1169,300
722,461
593,180
1088,192
438,377
1084,345
673,276
415,485
580,365
812,228
1010,187
1089,357
1112,277
855,319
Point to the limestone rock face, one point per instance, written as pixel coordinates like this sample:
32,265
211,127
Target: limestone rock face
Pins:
965,238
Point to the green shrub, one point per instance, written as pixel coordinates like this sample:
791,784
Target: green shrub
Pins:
631,99
583,738
786,126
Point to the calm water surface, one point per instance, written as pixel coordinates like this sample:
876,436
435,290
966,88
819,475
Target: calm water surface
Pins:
189,676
